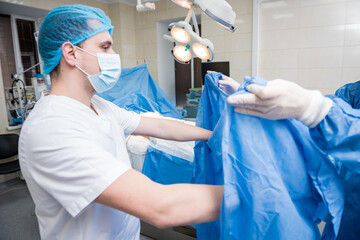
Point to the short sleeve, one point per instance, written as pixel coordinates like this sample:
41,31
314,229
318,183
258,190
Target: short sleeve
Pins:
128,120
67,163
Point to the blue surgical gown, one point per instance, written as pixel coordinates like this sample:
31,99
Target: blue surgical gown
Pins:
277,184
208,166
339,135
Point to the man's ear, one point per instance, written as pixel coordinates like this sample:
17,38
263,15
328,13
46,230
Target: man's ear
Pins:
68,51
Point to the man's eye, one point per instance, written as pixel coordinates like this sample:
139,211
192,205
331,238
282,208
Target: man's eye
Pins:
105,47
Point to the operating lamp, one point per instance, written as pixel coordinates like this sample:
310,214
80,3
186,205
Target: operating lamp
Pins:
219,10
143,6
189,43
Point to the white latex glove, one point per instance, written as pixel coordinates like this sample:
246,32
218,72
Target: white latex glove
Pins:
227,84
282,99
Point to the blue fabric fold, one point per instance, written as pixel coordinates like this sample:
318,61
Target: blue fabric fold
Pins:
208,166
165,168
339,135
137,91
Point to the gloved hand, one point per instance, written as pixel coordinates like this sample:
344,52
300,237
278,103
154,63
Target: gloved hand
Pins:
228,85
282,99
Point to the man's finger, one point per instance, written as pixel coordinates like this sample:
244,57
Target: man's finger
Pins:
245,99
263,92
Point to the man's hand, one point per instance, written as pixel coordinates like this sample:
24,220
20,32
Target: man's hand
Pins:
228,85
282,99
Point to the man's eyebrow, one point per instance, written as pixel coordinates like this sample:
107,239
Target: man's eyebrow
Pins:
106,43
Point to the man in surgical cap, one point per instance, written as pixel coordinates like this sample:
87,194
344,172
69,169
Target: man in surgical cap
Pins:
72,146
334,123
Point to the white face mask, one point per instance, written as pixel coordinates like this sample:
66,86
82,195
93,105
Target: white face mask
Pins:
110,71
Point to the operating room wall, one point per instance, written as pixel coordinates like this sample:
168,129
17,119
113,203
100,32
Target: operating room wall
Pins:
123,19
315,43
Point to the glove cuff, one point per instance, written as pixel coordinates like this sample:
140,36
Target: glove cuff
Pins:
317,110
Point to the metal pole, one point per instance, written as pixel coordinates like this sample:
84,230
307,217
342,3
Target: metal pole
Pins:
192,74
189,14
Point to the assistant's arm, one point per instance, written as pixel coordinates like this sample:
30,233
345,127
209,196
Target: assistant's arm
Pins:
338,133
170,129
163,205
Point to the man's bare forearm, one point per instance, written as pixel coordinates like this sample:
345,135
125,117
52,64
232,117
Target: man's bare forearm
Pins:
192,204
178,131
163,205
171,130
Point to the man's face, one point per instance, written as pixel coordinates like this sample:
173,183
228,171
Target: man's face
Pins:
100,43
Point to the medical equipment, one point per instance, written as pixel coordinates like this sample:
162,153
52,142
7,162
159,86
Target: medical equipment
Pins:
219,10
143,6
38,87
20,99
182,32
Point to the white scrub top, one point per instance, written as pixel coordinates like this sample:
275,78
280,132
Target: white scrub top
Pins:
69,156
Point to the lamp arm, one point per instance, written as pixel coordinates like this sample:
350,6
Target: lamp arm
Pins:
189,14
193,17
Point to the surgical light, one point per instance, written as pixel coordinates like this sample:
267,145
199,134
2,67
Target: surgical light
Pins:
182,32
219,10
182,53
180,35
145,6
201,51
183,3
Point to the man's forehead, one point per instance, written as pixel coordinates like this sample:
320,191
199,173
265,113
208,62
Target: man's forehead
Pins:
100,38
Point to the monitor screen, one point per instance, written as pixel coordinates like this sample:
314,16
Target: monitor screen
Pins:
223,67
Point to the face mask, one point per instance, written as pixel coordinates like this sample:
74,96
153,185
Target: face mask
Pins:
110,71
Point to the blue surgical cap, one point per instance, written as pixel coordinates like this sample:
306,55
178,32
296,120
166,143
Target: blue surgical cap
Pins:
69,23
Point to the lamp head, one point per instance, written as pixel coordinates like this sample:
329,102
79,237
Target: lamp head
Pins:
203,49
183,3
220,11
180,35
182,54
